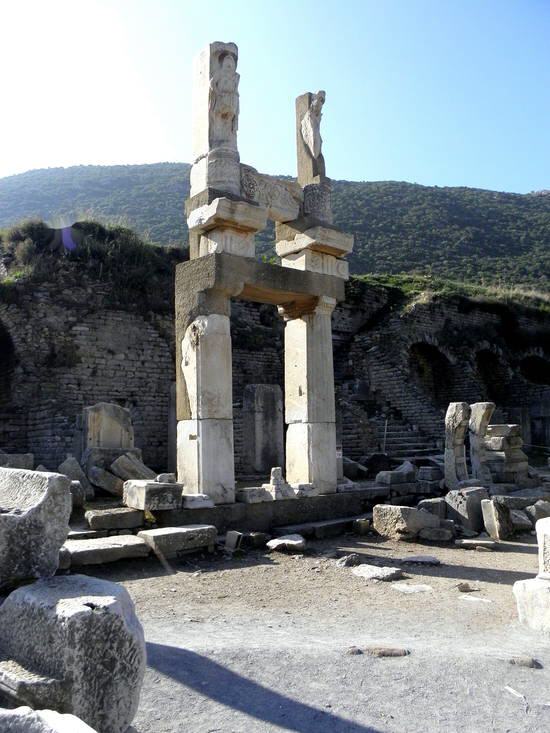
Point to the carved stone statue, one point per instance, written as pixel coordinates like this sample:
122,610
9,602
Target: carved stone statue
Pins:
224,103
311,124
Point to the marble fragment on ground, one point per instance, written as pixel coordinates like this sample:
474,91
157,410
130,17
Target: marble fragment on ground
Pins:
34,522
75,644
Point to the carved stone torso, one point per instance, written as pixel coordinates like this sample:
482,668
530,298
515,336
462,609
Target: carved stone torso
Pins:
224,105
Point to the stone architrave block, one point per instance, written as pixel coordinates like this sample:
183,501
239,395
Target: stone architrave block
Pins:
282,198
34,523
263,426
205,458
533,603
206,367
152,496
311,455
327,240
27,720
497,520
106,425
81,633
170,542
312,261
543,540
17,460
456,425
106,480
73,470
115,518
504,431
309,371
101,550
401,522
464,507
480,416
128,467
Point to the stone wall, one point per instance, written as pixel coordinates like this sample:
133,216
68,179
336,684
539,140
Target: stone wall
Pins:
64,349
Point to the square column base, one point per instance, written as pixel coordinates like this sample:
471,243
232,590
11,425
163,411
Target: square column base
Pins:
205,458
311,455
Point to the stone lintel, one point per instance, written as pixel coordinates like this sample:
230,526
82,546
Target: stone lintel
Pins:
227,213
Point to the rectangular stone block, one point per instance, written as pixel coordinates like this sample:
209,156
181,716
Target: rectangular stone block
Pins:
205,458
328,240
105,549
206,368
253,495
503,431
307,259
129,467
464,507
196,501
497,520
263,426
311,455
152,496
116,518
107,425
533,603
170,542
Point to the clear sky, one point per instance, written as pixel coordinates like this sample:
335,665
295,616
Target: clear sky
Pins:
445,92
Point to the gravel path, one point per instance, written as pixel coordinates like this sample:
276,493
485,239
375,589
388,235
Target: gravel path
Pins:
261,643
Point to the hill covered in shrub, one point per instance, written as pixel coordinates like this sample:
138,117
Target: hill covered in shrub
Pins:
464,234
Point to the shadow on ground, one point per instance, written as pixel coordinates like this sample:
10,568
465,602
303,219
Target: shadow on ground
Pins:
228,688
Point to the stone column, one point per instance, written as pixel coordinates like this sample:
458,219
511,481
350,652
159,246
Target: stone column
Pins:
480,416
205,436
309,397
456,425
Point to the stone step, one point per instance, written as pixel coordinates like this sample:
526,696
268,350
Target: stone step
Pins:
116,518
104,549
170,542
320,530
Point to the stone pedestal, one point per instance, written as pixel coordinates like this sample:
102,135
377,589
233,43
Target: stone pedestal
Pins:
309,398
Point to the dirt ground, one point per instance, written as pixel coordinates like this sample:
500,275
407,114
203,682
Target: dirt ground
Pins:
261,642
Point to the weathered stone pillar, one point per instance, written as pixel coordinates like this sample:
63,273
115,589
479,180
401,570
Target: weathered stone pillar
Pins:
309,397
205,437
456,425
480,416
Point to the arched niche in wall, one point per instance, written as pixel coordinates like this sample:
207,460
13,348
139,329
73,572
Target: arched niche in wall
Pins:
493,375
432,371
535,369
7,365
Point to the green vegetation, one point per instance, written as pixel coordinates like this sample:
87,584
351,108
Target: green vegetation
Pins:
462,234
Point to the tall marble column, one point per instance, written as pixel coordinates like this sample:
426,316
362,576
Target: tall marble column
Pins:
309,397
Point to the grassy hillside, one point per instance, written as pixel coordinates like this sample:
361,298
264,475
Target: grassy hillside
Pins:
458,233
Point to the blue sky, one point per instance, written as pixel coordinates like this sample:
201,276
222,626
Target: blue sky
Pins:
442,92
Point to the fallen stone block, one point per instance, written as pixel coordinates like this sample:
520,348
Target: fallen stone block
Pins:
27,720
74,643
349,561
438,506
116,518
503,431
430,473
152,496
103,457
375,572
170,542
496,518
354,470
73,470
287,543
410,588
464,507
78,495
106,549
436,534
403,474
128,467
197,501
252,495
401,522
23,461
105,480
254,540
533,603
34,522
473,544
233,540
520,521
538,510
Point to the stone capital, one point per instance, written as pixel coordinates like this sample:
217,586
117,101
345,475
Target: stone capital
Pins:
318,238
